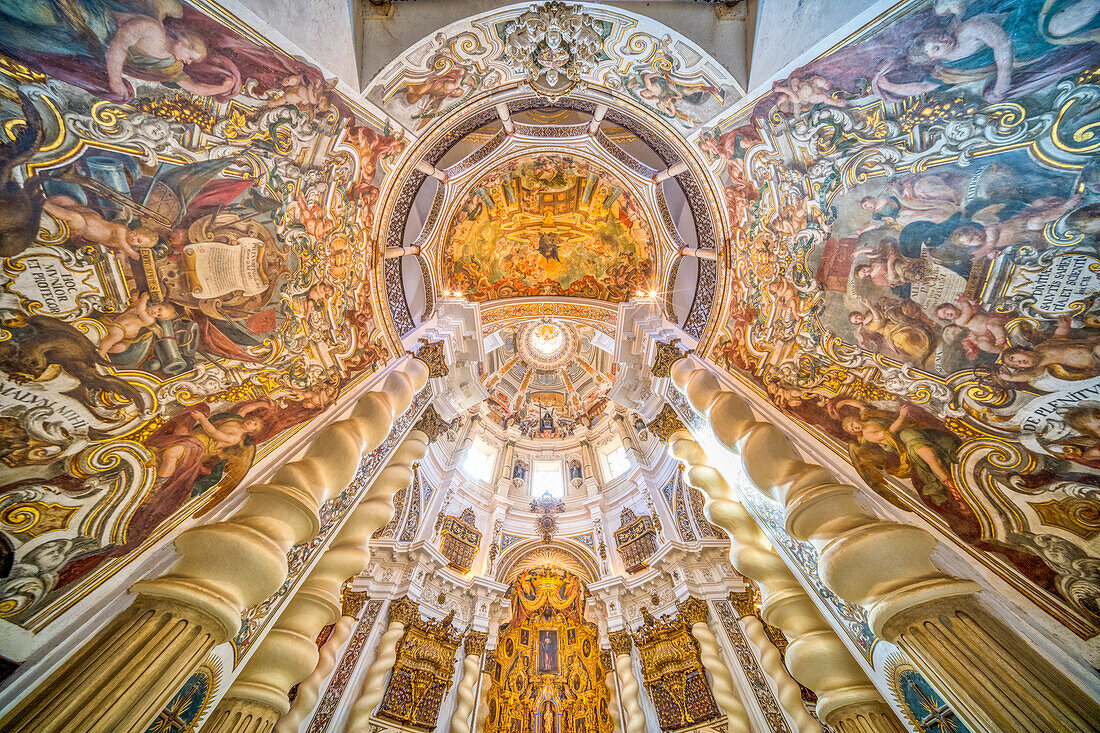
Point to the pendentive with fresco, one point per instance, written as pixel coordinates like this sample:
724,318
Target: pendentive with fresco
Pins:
547,675
182,277
915,275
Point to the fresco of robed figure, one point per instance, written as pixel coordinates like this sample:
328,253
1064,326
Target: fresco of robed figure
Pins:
550,226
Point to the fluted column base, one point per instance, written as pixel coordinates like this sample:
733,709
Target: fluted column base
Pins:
241,716
124,676
874,717
992,681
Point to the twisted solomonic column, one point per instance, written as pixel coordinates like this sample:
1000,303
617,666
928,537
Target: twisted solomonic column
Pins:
694,611
816,656
628,683
483,693
992,677
613,692
288,653
309,690
402,612
474,646
788,693
128,671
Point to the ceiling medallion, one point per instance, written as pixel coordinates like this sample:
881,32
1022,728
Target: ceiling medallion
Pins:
547,345
554,44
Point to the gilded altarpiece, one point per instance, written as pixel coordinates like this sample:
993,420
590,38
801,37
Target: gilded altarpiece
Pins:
460,541
422,673
636,540
547,676
673,672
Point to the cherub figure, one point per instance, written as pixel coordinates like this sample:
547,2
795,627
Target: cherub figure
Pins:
125,328
142,39
1061,356
314,219
89,227
985,330
434,91
309,95
796,94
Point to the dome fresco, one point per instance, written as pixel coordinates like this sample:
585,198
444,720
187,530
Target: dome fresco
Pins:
548,225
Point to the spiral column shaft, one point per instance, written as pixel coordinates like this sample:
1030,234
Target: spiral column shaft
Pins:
992,677
816,656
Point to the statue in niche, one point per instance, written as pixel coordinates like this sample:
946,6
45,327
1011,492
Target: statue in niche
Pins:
548,721
576,472
519,470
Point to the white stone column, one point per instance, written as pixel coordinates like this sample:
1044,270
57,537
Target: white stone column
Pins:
816,655
402,613
473,648
694,611
122,677
288,653
621,645
788,692
309,690
992,677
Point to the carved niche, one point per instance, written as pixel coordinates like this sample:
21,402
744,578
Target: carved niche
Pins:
636,540
460,540
673,672
422,673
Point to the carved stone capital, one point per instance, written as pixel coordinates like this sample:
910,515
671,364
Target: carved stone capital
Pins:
431,424
432,354
352,602
745,602
665,424
475,642
606,661
404,611
620,642
666,355
693,610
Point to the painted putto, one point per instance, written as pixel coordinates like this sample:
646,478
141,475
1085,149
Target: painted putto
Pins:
548,225
915,274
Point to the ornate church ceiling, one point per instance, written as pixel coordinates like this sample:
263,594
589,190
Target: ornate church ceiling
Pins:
576,196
